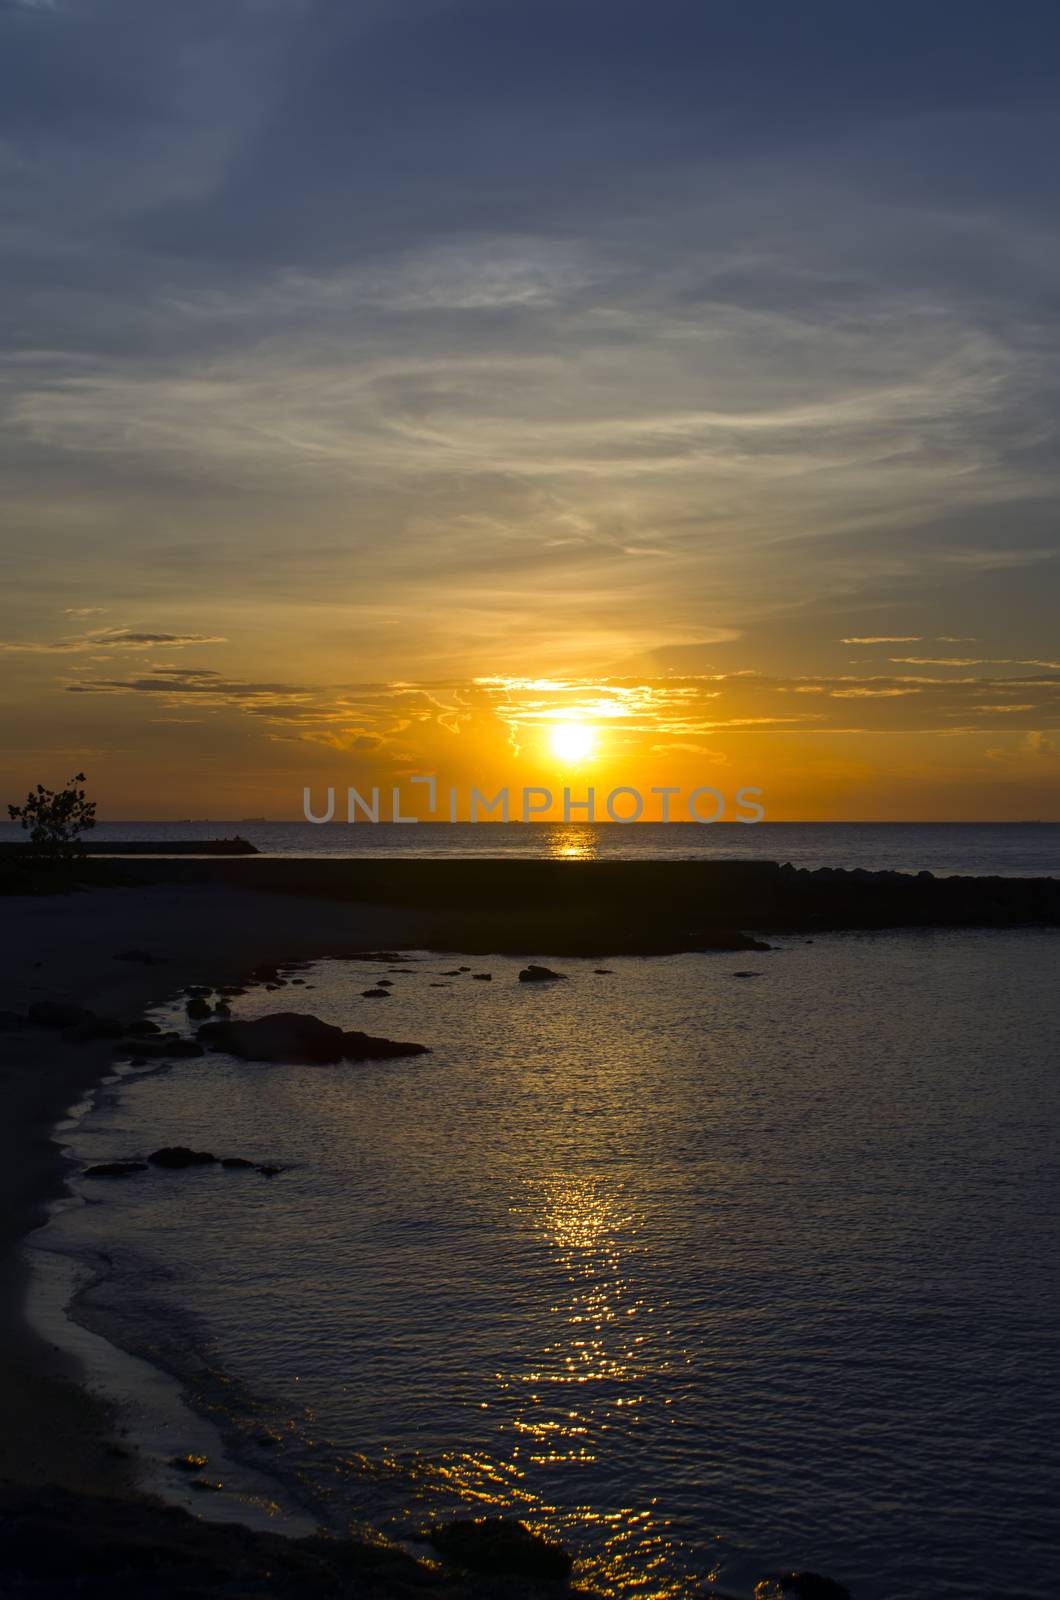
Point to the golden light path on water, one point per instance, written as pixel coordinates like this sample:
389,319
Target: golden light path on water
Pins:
572,843
588,1380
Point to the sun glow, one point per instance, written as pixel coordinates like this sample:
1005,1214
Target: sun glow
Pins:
572,741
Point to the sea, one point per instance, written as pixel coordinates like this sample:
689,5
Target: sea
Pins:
1008,849
708,1266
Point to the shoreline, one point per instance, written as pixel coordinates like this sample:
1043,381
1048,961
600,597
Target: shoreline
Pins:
60,1434
63,947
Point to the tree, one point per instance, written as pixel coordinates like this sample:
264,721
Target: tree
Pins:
55,818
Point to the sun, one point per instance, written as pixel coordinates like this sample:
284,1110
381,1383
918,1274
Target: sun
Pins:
572,741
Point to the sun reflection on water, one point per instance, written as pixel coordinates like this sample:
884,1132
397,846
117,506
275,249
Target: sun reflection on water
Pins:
586,1381
573,842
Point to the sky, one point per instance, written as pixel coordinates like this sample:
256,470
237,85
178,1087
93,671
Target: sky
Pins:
387,383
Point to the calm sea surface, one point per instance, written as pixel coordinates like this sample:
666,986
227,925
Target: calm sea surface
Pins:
706,1275
1014,849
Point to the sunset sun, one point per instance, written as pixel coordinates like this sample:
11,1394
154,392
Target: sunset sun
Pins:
572,741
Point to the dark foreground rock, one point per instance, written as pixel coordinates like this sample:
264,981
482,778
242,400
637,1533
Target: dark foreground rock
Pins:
535,974
800,1586
115,1169
296,1037
55,1545
500,1545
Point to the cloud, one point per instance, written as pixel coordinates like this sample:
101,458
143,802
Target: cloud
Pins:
883,638
106,639
972,661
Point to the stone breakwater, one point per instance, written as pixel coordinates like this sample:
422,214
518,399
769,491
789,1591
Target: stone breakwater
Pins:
622,907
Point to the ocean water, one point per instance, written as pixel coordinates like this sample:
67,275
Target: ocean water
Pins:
1008,849
705,1275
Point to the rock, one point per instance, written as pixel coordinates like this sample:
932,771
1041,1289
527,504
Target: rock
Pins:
296,981
236,1161
197,1009
144,957
142,1028
229,989
385,983
453,972
175,1157
57,1014
500,1545
190,1463
367,1047
295,1037
375,994
268,1171
604,972
437,986
183,1048
115,1169
222,1010
137,1061
265,974
464,969
535,974
482,977
747,974
799,1586
198,991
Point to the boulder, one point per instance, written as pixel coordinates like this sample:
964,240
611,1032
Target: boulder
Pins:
236,1161
198,1008
747,974
295,1037
483,977
375,994
115,1169
500,1545
535,974
175,1157
142,1028
198,991
800,1586
604,972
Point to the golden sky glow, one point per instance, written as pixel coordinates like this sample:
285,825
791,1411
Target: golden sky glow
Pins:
352,438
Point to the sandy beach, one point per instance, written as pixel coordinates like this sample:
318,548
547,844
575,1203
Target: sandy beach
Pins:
63,948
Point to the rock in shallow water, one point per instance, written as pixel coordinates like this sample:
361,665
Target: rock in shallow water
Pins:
115,1169
296,1037
535,974
498,1544
177,1156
